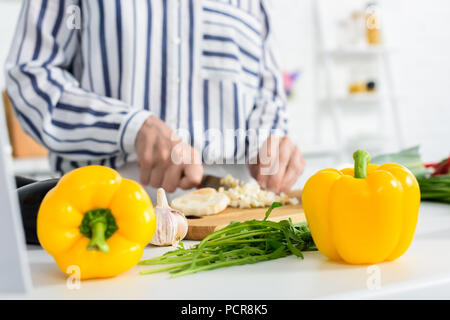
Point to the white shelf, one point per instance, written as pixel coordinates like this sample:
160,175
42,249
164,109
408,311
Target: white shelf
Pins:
357,52
329,60
356,100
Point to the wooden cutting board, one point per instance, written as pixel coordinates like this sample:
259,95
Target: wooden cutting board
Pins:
200,227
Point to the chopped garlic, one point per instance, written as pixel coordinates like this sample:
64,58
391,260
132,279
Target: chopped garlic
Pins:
250,195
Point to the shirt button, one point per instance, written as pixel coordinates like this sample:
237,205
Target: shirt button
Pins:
177,40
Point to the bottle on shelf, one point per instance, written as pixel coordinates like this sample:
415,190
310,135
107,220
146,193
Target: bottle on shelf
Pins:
373,33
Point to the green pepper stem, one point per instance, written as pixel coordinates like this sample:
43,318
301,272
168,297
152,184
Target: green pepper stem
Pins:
362,159
98,241
99,225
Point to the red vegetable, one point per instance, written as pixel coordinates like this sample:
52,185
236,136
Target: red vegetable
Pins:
442,167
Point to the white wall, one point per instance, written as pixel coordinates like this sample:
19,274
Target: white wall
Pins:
419,30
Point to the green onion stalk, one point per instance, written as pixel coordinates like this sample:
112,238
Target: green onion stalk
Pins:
238,243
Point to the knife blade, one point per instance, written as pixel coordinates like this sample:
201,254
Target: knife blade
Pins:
210,181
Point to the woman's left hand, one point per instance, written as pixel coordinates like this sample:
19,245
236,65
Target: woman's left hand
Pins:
279,164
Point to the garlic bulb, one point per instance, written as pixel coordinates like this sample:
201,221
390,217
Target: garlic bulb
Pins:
171,224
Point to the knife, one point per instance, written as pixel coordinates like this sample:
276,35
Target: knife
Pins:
31,193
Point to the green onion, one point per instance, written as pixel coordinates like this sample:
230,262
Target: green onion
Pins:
238,243
435,188
432,188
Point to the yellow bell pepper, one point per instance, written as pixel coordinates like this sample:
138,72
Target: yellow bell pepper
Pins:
97,221
364,215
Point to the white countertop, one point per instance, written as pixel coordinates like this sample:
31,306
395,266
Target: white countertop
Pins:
423,272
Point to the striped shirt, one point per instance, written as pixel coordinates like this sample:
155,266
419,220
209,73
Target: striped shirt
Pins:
83,75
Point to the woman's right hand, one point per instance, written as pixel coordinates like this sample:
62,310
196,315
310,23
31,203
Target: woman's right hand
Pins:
164,159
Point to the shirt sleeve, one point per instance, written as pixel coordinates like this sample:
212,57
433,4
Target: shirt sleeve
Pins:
268,116
47,98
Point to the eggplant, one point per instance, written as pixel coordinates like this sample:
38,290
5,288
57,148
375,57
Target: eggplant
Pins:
31,193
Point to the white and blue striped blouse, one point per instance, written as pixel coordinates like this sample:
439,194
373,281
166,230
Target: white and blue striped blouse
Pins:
200,65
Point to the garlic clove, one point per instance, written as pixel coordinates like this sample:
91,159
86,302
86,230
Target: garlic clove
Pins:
171,224
182,226
161,199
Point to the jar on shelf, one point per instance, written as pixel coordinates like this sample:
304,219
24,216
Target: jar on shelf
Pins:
362,78
350,30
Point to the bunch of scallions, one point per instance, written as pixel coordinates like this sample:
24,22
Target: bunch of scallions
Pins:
238,243
434,184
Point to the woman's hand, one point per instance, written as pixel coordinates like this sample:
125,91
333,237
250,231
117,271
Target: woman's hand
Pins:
164,159
279,164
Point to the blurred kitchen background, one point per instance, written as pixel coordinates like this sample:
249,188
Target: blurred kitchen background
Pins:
373,75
